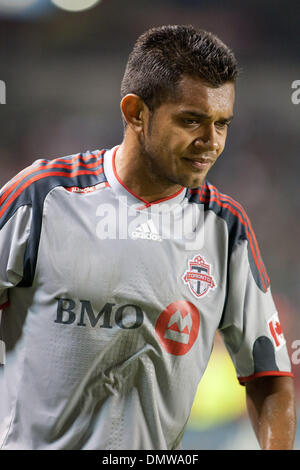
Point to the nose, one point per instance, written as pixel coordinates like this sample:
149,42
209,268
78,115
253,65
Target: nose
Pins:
208,140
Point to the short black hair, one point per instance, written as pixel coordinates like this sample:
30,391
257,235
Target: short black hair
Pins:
163,55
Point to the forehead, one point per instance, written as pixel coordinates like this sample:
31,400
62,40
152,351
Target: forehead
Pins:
195,94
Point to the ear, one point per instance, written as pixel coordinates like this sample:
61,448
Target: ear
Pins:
133,109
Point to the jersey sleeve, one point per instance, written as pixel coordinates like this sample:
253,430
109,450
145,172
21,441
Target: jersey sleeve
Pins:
15,229
250,325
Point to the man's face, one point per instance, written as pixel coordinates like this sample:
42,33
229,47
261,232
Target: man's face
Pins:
183,138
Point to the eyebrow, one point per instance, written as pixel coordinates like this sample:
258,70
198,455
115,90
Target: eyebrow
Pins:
203,115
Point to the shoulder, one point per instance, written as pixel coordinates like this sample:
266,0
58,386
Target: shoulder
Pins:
224,206
238,226
31,185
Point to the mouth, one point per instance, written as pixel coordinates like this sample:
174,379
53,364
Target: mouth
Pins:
198,163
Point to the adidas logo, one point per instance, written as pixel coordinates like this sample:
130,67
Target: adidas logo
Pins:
147,231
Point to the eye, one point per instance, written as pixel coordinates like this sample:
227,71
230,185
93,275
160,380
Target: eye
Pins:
222,124
190,121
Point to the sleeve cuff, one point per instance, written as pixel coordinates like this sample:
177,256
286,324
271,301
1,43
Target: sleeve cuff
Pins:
243,380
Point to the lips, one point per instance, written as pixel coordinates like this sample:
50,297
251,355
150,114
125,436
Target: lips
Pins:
198,163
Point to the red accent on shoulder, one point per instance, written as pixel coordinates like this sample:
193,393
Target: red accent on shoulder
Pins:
247,220
45,175
147,203
274,373
226,201
79,156
252,240
50,164
6,304
74,165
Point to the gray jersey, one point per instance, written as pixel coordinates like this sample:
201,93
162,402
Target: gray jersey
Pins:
111,304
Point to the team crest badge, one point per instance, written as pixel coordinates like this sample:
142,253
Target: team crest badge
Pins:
198,277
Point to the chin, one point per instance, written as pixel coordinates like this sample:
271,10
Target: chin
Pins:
193,183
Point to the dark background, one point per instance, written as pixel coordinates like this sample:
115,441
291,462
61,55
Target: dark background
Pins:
63,70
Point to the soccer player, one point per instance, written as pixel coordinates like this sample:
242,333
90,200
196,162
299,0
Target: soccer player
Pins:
118,266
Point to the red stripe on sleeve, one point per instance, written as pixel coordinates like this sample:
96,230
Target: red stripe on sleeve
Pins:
275,373
247,220
221,201
237,205
50,164
45,175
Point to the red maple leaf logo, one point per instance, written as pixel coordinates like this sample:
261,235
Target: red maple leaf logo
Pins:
278,328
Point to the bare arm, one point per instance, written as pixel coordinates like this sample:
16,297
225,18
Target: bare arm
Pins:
272,411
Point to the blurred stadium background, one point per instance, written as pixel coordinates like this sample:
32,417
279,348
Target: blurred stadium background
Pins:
62,72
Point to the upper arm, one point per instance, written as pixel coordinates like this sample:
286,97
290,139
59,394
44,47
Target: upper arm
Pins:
250,325
14,233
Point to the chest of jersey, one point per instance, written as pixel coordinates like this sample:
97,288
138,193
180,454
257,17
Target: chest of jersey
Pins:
103,261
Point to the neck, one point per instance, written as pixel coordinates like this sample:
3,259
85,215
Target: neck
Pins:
134,170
